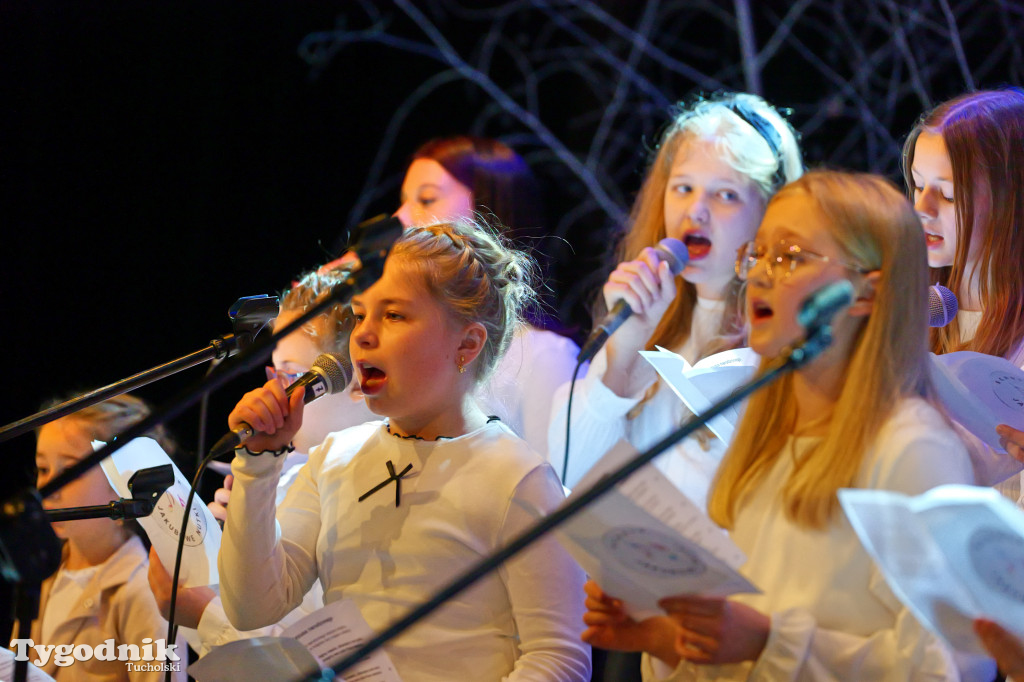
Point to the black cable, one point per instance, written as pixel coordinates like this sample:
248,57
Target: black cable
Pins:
568,419
172,628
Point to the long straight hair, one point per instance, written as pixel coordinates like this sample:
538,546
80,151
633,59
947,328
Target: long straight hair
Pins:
745,150
984,137
875,228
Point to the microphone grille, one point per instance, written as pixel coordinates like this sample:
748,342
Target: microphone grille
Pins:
337,371
942,306
675,253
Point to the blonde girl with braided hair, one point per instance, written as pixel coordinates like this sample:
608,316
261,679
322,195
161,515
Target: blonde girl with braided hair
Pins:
388,512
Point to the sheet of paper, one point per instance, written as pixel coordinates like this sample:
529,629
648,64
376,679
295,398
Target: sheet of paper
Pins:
701,385
202,535
952,554
980,391
7,668
644,540
337,630
256,658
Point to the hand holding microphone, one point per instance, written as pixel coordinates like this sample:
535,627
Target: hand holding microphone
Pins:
643,289
268,417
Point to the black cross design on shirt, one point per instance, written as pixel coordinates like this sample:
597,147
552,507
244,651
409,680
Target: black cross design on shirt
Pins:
392,476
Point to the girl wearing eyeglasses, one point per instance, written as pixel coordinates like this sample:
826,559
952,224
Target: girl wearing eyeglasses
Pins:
859,416
717,164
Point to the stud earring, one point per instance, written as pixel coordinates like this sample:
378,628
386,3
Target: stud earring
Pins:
461,364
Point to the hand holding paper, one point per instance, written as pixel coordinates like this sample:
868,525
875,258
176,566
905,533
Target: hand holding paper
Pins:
645,540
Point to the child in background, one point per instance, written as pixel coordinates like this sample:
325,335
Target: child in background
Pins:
964,165
199,609
461,178
100,591
717,164
859,415
388,512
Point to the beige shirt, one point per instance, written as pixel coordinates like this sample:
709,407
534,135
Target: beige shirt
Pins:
115,604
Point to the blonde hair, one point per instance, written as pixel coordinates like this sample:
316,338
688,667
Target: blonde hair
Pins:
747,151
329,330
105,420
875,228
473,273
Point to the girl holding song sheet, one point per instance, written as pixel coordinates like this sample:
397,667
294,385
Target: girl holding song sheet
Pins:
859,415
964,166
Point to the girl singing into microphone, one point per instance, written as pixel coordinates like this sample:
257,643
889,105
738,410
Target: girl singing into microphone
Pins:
387,513
716,165
964,165
859,415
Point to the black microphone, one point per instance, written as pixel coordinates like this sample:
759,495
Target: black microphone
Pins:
329,374
673,252
942,306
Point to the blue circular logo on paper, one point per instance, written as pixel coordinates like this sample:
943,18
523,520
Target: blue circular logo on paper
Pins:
998,559
1009,389
653,552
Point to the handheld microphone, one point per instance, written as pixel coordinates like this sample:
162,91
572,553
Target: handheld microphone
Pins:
942,306
673,252
330,373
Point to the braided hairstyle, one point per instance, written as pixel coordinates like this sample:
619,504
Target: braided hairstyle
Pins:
471,270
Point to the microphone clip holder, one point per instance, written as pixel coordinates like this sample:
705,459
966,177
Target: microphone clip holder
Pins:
146,485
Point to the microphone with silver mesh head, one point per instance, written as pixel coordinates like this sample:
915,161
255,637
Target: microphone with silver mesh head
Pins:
330,373
942,306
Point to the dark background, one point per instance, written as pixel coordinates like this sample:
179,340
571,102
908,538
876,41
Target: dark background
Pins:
160,160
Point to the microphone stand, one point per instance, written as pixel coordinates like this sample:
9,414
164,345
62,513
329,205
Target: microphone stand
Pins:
372,249
818,338
22,524
248,319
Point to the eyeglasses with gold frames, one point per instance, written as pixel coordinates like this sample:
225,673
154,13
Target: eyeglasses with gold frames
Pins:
785,257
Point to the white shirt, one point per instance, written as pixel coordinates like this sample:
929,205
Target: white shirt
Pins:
463,498
600,419
523,384
214,627
833,616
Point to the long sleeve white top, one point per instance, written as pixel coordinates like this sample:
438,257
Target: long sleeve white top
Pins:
523,384
214,627
462,499
833,616
600,418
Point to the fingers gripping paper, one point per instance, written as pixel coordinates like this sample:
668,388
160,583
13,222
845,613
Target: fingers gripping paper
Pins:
163,526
